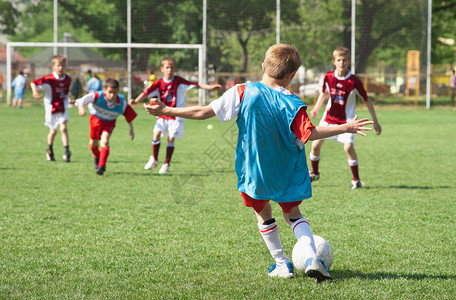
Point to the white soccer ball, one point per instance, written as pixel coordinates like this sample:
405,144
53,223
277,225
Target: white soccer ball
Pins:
324,252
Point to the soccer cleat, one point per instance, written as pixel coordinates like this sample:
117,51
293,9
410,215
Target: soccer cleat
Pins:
314,177
315,268
164,169
152,163
285,271
66,156
356,184
101,170
50,155
96,160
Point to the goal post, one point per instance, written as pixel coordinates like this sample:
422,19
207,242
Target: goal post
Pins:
10,47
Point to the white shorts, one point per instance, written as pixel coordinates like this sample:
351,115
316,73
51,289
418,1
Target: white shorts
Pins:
53,120
175,128
344,138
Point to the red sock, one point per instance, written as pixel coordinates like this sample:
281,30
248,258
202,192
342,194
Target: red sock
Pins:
315,166
95,151
104,153
355,172
169,154
155,149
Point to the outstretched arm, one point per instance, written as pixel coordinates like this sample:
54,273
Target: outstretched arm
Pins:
191,112
138,99
370,107
354,126
209,87
83,101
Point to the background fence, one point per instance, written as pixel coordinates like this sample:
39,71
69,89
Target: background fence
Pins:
235,35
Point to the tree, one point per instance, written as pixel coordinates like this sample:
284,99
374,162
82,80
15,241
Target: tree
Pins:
9,16
443,32
229,21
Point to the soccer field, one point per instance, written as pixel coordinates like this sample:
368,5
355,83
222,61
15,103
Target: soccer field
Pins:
67,233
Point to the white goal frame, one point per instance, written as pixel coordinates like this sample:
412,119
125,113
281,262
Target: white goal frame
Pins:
201,59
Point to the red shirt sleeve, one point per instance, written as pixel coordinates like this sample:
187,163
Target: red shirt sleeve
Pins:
153,87
241,90
301,125
181,80
359,86
39,81
129,113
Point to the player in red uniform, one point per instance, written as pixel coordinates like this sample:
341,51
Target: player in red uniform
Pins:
341,86
56,86
170,89
105,106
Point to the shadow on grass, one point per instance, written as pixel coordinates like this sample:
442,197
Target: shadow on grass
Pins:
408,187
412,187
348,274
400,187
146,173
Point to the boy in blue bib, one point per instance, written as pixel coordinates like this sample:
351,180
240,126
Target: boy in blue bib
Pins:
270,156
104,107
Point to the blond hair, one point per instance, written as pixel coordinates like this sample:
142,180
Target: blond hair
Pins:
280,60
59,59
168,60
341,51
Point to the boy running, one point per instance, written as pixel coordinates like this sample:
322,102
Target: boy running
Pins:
270,155
56,86
341,86
105,106
170,89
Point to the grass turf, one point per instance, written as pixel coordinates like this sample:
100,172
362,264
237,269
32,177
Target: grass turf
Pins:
67,233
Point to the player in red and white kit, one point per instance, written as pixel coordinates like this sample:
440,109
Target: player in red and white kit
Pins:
341,87
170,89
56,86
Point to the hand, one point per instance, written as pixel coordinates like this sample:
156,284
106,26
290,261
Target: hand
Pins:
156,107
313,113
357,126
377,128
37,95
82,111
216,87
131,101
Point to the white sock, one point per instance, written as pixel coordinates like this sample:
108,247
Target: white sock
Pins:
270,234
303,233
314,157
352,163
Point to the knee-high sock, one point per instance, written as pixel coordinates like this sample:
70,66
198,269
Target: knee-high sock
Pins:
303,233
104,153
354,168
314,161
155,149
169,153
270,234
95,151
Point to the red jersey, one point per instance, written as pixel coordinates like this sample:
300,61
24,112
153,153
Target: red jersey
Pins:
171,93
342,101
56,90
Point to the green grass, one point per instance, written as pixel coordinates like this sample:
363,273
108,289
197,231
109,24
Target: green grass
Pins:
67,233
